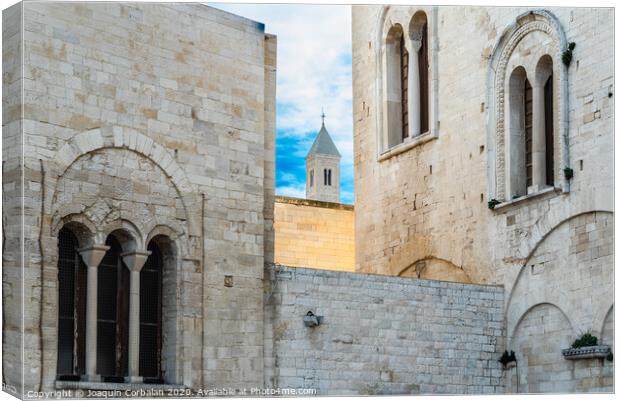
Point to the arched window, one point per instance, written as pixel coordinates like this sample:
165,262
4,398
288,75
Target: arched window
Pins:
71,308
151,315
112,314
543,125
396,86
420,24
407,82
518,149
527,99
311,177
404,86
550,143
329,177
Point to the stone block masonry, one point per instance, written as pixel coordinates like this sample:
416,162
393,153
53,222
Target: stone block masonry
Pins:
381,334
314,234
144,122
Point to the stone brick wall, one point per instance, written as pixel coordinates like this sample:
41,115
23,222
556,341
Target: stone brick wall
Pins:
151,119
381,334
314,234
13,206
429,202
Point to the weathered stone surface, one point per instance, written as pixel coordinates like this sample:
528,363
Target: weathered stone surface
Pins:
423,206
314,234
381,334
112,98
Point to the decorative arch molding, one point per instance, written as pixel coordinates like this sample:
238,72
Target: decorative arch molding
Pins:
420,266
553,295
404,16
525,24
601,316
83,229
513,330
545,226
127,233
132,140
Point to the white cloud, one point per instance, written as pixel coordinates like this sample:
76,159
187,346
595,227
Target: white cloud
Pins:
314,71
295,191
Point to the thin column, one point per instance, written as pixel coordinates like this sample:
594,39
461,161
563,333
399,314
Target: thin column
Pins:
539,166
413,88
92,256
134,261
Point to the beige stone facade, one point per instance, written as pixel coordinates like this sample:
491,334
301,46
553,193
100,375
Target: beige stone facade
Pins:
138,208
144,126
422,206
314,234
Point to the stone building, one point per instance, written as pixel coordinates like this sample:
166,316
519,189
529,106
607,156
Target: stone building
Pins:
316,232
138,218
323,168
143,152
483,145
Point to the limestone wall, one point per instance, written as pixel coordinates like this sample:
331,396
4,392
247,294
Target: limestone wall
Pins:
429,202
314,234
381,334
150,119
13,179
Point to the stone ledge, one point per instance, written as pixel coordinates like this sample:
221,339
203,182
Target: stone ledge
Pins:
595,351
83,385
547,191
409,143
314,203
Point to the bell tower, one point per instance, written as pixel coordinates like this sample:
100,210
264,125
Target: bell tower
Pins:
323,168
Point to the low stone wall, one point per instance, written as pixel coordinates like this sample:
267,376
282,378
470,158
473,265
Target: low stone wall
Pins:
381,334
310,233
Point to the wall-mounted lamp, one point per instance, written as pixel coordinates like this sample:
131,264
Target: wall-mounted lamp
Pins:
311,320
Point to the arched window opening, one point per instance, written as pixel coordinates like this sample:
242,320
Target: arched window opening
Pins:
549,142
395,88
404,86
151,315
311,178
329,177
324,176
112,314
423,73
527,98
519,134
71,308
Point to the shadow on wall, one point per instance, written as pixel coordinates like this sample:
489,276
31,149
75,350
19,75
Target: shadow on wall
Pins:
564,290
431,268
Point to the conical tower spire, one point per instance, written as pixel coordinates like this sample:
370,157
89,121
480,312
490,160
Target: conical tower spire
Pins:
323,167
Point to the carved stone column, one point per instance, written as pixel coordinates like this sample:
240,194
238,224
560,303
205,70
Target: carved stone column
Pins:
134,261
413,88
539,151
92,256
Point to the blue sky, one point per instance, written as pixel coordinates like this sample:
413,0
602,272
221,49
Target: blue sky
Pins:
313,72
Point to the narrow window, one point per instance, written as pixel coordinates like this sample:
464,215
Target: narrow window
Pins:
311,178
150,315
112,314
423,73
329,177
324,176
527,98
404,74
71,308
549,130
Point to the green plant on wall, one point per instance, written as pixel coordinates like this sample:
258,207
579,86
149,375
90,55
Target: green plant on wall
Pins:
567,55
568,173
586,340
492,203
506,358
